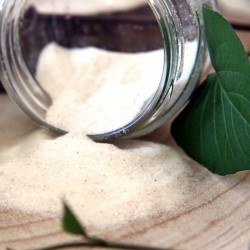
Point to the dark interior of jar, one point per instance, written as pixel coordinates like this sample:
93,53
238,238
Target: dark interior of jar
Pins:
114,32
131,31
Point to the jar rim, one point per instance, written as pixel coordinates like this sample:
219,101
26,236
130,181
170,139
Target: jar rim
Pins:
14,70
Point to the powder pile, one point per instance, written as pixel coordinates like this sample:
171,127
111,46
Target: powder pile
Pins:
108,185
97,91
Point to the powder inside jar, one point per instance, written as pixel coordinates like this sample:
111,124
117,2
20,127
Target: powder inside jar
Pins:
98,91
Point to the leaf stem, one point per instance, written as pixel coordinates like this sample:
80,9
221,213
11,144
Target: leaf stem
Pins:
107,245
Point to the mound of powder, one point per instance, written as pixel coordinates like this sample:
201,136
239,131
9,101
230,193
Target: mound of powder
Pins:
106,184
98,91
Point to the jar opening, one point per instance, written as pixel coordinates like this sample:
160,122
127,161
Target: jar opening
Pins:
151,37
121,50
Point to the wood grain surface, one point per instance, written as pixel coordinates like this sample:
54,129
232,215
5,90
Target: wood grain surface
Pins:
216,219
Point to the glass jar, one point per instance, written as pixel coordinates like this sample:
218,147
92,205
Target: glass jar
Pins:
181,36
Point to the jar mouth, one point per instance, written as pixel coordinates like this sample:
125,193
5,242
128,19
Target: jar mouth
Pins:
174,36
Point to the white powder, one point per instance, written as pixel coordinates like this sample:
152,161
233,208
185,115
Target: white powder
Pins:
97,91
106,184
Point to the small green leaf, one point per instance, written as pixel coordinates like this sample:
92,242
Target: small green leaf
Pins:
226,51
70,222
215,127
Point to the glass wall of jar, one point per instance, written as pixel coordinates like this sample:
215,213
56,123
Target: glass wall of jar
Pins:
162,39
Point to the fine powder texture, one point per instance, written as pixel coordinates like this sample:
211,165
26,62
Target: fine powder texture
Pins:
98,90
106,184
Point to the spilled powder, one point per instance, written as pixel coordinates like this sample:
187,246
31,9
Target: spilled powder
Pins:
97,91
107,185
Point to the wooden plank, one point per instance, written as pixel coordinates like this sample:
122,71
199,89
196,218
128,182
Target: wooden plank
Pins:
216,219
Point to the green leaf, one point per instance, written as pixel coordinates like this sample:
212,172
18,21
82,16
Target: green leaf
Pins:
226,51
214,129
70,223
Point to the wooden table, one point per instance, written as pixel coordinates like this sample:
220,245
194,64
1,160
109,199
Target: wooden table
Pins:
216,219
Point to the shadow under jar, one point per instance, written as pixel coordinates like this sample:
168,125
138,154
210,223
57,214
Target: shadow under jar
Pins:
166,36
